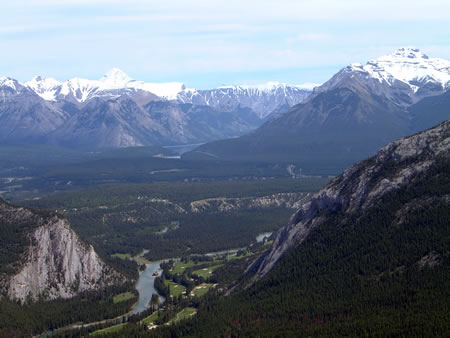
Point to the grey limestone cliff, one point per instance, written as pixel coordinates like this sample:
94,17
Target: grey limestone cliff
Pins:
54,262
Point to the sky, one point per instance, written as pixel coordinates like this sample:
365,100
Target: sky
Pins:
208,43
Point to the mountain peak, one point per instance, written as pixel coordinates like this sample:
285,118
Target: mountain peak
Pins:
406,64
9,82
410,53
116,77
45,87
268,86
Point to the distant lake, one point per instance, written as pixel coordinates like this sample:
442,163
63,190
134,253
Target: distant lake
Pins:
183,148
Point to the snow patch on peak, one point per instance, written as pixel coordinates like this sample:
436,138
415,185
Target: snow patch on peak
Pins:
116,78
262,87
408,52
81,89
167,90
268,86
411,66
8,82
46,88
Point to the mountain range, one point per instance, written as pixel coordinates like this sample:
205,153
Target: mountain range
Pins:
117,111
349,117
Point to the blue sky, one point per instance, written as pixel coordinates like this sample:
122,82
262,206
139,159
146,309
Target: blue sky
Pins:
209,43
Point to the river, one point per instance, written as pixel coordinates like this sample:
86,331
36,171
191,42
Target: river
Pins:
146,282
260,237
146,287
183,148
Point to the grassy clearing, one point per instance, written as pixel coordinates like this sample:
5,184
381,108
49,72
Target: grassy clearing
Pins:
150,319
123,256
202,289
183,314
234,256
175,289
179,267
108,330
206,272
123,297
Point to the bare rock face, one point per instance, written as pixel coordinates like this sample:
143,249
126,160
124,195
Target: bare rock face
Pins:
359,188
55,262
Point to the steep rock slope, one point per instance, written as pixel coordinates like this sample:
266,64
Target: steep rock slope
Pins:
360,188
42,257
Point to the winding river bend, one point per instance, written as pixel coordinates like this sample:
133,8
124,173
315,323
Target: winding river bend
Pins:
146,287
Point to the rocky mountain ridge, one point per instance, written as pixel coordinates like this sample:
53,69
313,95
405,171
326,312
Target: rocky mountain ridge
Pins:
265,100
117,111
286,200
359,188
50,260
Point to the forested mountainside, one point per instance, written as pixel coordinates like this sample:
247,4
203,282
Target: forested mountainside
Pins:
367,255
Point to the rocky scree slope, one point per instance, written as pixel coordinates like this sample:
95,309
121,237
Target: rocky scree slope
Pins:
359,189
42,257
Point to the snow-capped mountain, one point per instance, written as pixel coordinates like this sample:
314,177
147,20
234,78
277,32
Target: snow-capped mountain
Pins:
117,111
264,100
24,115
359,98
406,75
410,66
349,117
117,79
109,84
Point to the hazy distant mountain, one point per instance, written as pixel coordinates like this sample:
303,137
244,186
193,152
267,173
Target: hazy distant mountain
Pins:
122,122
264,100
349,117
117,111
25,116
